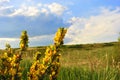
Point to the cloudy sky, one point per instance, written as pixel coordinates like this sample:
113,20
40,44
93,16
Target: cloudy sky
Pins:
88,21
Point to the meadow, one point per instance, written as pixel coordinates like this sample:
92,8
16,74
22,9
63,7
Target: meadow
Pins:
98,61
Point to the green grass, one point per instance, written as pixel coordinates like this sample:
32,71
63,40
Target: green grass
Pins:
83,74
82,57
25,65
82,62
75,73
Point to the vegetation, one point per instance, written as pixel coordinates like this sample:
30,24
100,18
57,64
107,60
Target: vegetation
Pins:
99,61
10,68
81,63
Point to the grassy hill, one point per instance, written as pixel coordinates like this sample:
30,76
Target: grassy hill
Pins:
78,55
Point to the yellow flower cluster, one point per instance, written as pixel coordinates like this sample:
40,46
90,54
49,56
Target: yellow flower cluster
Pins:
15,69
8,50
23,40
10,69
51,61
50,64
59,36
37,71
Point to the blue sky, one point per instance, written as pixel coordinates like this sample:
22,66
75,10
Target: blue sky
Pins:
88,21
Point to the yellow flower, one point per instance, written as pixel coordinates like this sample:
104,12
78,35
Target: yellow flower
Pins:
54,52
22,45
43,71
13,71
5,55
50,53
9,59
53,73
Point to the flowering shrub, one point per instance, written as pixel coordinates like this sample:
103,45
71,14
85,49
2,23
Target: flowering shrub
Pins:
49,65
23,40
9,68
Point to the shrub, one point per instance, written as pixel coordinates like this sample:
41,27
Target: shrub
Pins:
10,68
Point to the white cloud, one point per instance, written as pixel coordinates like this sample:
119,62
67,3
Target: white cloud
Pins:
42,40
44,10
4,10
34,41
14,42
8,39
5,7
39,4
56,8
101,28
34,10
26,11
37,38
1,1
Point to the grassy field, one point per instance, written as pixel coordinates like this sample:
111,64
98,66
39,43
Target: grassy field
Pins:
82,62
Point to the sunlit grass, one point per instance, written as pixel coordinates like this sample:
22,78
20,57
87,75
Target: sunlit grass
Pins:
82,64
